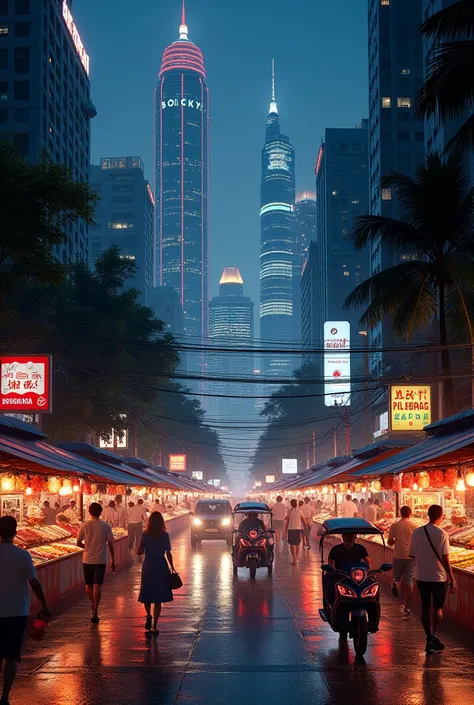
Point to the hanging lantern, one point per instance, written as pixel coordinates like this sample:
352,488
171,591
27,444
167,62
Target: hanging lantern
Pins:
325,489
7,483
54,485
364,489
460,484
424,480
415,487
469,479
76,488
28,490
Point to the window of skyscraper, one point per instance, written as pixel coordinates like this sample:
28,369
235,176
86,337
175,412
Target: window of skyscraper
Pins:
3,7
405,72
3,30
404,102
386,102
21,141
3,90
22,29
3,117
22,115
22,60
3,59
22,7
22,90
120,226
386,194
385,2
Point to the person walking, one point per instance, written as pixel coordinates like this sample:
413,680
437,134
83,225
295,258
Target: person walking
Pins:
154,590
294,523
434,574
307,511
400,535
136,517
18,572
279,512
349,508
94,536
121,512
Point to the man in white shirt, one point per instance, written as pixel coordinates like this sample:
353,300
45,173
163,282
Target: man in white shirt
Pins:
94,536
434,574
307,512
17,572
294,523
349,508
109,514
279,512
121,512
71,512
400,535
159,507
136,517
370,511
49,514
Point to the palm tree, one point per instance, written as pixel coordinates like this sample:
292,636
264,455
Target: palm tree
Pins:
435,239
448,91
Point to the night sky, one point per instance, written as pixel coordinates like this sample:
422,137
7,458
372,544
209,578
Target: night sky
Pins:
320,51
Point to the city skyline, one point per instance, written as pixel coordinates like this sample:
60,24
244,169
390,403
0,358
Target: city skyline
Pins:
127,126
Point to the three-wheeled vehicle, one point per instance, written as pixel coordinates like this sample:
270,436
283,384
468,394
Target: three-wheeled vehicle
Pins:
253,537
351,594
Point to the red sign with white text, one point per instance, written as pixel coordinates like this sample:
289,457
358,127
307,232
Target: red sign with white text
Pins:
25,385
177,463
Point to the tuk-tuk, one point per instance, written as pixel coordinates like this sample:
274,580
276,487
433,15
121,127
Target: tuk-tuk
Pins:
253,541
351,593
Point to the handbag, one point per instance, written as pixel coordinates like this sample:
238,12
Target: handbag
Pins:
174,581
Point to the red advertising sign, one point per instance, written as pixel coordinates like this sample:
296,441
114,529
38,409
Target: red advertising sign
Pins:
25,385
177,463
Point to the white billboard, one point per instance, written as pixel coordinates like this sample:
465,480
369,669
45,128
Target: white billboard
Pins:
289,466
337,363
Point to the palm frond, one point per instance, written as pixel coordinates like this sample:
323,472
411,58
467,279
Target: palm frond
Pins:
453,22
417,308
463,140
449,87
397,236
464,219
460,267
460,314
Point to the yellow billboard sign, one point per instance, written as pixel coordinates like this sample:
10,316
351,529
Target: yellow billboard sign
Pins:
410,407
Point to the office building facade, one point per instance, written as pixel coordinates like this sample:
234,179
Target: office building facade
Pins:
277,251
396,136
305,232
45,93
125,218
231,325
342,194
311,331
182,182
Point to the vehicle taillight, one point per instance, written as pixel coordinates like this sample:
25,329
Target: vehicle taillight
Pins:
345,591
244,542
371,591
261,542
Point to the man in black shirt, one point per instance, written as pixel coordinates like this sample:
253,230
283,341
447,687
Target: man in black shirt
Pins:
252,521
348,553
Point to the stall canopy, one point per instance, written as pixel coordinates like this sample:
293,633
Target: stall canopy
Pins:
449,442
23,449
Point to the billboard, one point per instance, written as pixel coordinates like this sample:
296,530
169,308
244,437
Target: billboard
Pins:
177,463
381,425
337,363
197,475
26,384
269,479
289,466
410,407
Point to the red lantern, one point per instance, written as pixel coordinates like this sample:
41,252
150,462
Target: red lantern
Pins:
408,480
387,482
396,484
450,478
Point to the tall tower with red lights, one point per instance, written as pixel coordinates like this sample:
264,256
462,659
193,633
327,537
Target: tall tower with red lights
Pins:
182,182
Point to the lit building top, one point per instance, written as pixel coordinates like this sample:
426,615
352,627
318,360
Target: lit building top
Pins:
183,55
231,275
305,196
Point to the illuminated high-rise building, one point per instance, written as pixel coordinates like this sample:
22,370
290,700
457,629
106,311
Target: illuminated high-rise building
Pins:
182,182
305,234
277,251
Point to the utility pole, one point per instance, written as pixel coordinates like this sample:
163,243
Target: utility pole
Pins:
314,446
347,424
335,434
308,464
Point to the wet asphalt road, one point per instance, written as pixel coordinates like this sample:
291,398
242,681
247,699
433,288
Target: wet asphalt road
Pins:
226,641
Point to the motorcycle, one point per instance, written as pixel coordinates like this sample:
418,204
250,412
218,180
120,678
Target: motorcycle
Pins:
253,546
351,597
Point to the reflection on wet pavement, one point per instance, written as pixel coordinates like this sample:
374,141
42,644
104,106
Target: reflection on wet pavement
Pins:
227,641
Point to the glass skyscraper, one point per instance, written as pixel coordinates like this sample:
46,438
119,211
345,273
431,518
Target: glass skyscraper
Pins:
277,197
182,182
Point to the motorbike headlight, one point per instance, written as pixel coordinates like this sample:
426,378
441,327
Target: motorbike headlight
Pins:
197,522
226,521
371,591
345,591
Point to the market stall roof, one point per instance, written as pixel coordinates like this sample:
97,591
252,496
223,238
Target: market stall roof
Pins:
30,455
445,446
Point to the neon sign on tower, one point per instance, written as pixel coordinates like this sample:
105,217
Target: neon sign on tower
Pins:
182,180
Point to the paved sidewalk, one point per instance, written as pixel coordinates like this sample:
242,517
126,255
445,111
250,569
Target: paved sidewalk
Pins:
227,641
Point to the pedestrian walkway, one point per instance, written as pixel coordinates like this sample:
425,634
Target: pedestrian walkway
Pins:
227,641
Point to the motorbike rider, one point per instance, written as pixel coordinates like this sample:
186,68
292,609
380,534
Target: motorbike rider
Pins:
344,556
250,522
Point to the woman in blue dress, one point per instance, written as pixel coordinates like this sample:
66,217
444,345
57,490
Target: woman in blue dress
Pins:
154,590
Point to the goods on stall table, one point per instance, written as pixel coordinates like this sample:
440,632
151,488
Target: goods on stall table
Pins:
29,536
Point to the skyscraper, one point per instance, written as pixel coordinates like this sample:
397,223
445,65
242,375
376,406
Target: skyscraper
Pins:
305,233
45,93
396,136
124,217
277,197
231,322
182,181
342,188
